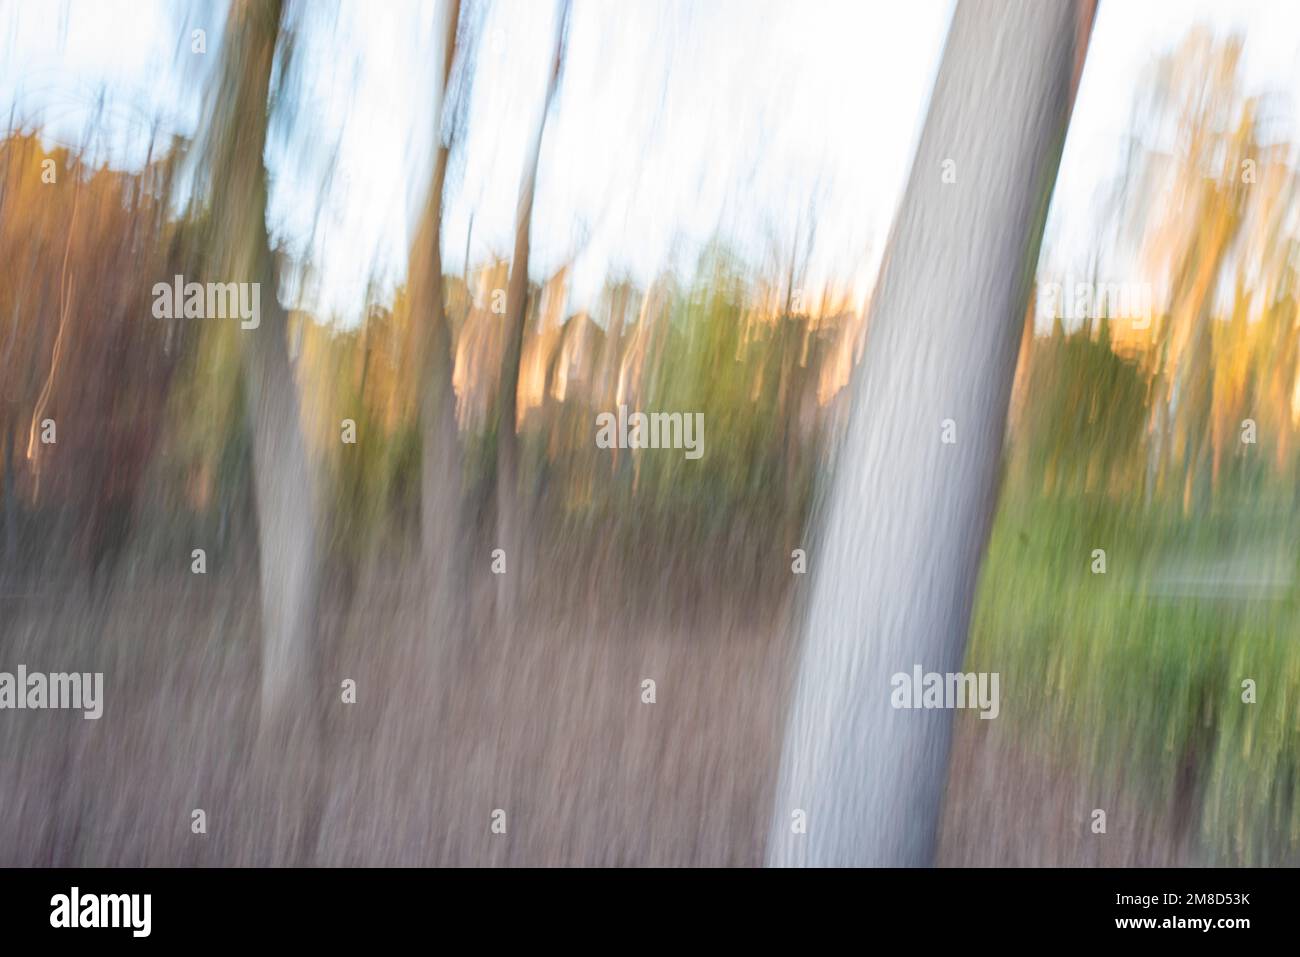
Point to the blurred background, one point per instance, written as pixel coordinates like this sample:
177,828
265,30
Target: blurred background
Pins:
478,225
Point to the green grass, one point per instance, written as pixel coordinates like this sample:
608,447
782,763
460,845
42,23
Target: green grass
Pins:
1109,673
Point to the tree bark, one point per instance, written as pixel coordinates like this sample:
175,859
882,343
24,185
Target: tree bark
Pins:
441,459
908,515
282,479
508,518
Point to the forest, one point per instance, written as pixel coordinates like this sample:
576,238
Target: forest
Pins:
232,497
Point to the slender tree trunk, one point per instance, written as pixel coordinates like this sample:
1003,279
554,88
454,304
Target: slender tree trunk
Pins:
286,529
508,514
282,479
441,459
908,515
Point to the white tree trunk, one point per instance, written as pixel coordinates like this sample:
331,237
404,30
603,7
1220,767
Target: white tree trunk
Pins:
286,527
908,516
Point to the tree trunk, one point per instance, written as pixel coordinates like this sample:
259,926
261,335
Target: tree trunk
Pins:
908,516
441,460
508,518
286,529
282,479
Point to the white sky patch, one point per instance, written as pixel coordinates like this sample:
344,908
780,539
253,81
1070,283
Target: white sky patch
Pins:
675,121
1126,39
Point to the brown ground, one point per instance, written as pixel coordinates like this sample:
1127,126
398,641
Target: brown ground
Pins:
544,721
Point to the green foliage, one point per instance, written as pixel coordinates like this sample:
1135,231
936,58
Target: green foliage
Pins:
1085,414
1139,678
710,367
